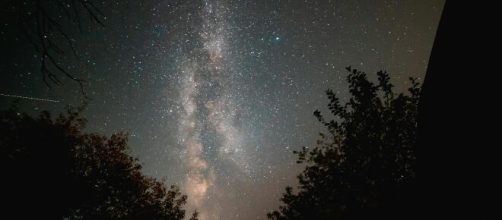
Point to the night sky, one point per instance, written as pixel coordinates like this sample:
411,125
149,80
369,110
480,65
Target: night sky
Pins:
216,94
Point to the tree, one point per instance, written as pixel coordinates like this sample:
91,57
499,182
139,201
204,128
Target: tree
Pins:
51,169
365,165
45,25
195,215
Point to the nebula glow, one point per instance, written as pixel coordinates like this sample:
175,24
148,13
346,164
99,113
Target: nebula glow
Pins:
208,106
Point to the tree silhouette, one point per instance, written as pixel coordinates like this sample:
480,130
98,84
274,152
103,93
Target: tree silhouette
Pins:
365,165
51,169
195,215
45,24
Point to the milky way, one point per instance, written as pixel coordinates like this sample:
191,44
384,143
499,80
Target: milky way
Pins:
206,97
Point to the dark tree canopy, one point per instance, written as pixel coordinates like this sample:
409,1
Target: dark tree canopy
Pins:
51,169
195,216
364,166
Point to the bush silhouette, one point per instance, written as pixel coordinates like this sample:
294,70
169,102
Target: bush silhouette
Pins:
363,167
51,169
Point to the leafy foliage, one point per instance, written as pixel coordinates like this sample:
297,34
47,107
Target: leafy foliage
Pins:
52,169
367,160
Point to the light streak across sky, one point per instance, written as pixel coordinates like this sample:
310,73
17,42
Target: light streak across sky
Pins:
28,97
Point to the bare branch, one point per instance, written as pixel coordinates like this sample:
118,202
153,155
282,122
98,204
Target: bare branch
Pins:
40,22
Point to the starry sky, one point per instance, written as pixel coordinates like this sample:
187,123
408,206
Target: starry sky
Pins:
216,94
